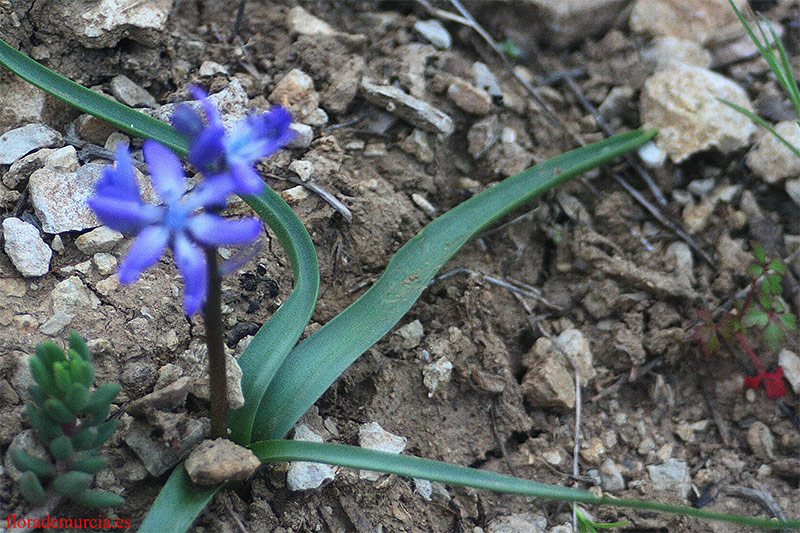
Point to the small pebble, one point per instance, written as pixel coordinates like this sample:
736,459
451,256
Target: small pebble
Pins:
434,32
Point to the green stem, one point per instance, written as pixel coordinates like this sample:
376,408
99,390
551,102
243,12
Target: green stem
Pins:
217,375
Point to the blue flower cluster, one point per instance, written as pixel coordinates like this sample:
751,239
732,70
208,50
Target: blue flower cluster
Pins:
188,223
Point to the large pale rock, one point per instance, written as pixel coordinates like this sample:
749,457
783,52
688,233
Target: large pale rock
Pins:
548,382
415,111
296,93
305,475
29,253
18,142
682,102
373,437
219,461
666,50
59,198
696,21
773,160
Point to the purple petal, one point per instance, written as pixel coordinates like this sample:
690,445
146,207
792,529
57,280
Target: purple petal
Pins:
212,192
187,121
212,230
119,181
208,106
191,262
246,178
146,250
260,136
208,152
124,215
166,171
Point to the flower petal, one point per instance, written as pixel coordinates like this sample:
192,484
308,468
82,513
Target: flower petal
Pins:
257,137
119,181
246,178
212,192
191,262
207,151
187,121
123,215
212,230
146,250
212,114
166,171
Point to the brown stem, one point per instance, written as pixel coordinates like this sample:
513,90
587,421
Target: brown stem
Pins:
217,374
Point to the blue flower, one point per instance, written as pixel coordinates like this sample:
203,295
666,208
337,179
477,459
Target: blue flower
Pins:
227,159
178,224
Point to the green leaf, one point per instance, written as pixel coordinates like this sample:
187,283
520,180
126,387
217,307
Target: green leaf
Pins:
61,376
317,361
778,266
31,489
100,498
61,448
25,462
755,317
49,353
59,412
43,377
755,271
72,483
774,335
178,504
101,398
113,112
773,283
789,322
90,465
77,343
47,428
76,397
416,467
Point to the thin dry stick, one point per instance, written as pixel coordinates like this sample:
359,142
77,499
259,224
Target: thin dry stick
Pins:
322,193
576,449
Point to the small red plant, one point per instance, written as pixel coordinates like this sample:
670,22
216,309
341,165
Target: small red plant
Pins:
762,311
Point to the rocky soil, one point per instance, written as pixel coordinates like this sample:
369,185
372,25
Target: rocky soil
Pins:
402,111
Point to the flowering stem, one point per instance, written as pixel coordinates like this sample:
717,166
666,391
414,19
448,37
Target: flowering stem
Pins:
218,377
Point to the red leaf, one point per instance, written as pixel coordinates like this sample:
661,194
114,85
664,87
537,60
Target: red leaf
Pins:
773,383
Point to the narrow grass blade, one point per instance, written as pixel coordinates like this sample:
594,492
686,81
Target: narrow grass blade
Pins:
120,115
763,123
178,504
316,362
416,467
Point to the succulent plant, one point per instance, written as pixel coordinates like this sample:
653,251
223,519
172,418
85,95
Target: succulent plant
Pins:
71,421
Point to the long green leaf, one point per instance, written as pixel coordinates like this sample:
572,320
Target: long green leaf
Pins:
177,505
316,362
416,467
113,112
763,123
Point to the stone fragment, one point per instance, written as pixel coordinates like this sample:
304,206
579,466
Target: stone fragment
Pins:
575,346
295,195
94,129
296,93
167,398
375,149
157,455
304,475
695,217
102,239
344,85
23,167
611,476
671,476
548,382
434,32
790,362
373,437
567,22
25,247
483,135
20,141
303,135
666,50
232,102
416,144
682,102
104,23
72,297
411,334
773,160
761,441
616,102
194,363
211,68
483,78
59,198
518,523
423,204
56,323
470,98
436,374
413,110
305,23
23,103
684,262
65,159
793,190
697,21
651,155
219,461
129,93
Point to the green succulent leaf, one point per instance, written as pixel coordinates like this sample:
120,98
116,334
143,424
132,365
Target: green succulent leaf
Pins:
98,499
47,428
61,376
59,412
43,376
90,465
25,462
31,488
101,398
77,343
61,448
72,483
76,397
49,353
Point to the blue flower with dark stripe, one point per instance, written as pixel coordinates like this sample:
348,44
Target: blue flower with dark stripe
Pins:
227,159
185,222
